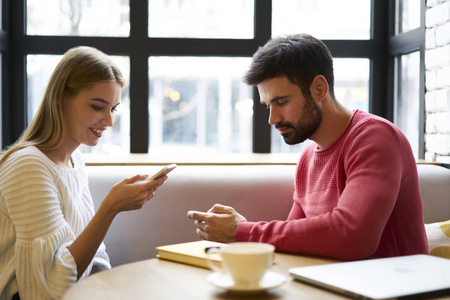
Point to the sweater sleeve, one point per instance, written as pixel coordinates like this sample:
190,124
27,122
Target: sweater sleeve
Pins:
101,258
353,224
44,266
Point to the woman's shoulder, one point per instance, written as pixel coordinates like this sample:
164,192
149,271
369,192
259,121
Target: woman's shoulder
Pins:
30,153
25,163
28,158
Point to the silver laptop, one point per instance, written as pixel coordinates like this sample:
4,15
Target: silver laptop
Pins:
383,278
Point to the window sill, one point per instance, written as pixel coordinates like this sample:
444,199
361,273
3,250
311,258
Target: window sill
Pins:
189,159
200,159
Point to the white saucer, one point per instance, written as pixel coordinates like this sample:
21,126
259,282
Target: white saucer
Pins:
270,281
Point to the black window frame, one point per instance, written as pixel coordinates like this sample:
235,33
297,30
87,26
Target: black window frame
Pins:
403,43
15,46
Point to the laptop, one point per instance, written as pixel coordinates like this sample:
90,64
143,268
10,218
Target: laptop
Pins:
383,278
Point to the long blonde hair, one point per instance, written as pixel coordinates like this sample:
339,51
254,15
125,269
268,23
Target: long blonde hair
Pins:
79,68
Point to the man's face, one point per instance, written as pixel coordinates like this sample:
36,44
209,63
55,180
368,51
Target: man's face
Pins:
295,116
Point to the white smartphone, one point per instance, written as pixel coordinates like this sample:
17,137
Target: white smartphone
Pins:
163,171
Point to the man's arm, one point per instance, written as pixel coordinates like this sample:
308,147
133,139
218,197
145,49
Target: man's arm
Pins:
345,218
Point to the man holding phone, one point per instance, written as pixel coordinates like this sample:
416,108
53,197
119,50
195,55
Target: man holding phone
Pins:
356,187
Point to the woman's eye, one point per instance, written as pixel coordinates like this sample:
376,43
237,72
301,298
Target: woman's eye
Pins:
97,108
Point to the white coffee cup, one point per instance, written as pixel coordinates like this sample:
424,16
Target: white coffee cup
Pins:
245,262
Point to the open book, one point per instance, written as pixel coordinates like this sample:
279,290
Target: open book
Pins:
192,253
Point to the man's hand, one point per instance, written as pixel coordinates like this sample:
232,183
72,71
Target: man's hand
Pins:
218,224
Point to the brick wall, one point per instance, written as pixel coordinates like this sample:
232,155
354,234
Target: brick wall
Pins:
437,82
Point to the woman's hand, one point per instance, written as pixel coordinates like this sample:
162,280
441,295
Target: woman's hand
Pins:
131,193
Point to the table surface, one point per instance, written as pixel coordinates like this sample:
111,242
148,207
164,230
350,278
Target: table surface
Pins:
161,279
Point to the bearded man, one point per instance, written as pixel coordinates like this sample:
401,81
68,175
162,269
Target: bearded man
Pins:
356,186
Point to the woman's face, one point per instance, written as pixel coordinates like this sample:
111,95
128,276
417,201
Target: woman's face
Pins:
91,112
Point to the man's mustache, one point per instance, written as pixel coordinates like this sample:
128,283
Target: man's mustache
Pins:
281,125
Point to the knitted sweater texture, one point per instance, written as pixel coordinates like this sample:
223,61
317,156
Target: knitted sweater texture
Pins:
43,208
357,198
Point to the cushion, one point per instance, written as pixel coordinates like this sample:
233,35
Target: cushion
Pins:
439,238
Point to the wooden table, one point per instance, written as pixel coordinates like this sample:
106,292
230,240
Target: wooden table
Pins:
161,279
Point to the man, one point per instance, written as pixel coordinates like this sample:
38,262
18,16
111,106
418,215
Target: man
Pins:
356,188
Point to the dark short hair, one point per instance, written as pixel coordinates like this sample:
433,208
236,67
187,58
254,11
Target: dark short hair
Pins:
299,57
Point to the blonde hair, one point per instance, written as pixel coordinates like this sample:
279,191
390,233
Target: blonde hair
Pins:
79,68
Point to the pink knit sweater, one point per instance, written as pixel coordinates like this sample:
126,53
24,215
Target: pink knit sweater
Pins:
354,199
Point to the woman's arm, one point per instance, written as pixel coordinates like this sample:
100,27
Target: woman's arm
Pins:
129,194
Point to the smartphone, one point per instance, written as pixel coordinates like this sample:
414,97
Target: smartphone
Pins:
163,171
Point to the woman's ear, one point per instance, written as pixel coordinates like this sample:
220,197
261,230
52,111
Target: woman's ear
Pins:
319,87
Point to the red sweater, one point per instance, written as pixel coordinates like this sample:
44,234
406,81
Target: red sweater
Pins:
357,198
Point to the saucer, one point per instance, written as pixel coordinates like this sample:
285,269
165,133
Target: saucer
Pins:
270,281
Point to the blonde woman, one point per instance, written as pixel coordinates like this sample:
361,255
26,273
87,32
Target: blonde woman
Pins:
50,236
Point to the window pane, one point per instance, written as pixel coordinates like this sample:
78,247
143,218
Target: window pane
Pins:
408,15
78,17
199,104
324,19
351,87
407,102
201,19
115,139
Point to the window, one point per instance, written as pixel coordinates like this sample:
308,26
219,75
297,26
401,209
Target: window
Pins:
184,60
78,17
199,104
407,15
201,19
407,49
320,18
408,97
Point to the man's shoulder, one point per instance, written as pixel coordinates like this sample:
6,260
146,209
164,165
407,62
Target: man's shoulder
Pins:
364,121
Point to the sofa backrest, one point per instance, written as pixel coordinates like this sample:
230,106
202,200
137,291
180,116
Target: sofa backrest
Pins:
434,182
258,192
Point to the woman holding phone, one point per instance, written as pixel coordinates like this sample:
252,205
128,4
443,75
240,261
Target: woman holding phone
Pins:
50,235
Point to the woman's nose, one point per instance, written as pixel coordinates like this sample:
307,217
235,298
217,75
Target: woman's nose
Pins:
108,120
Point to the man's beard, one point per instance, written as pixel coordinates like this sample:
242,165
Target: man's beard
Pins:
306,125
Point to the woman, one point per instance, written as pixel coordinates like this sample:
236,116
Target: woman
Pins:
49,234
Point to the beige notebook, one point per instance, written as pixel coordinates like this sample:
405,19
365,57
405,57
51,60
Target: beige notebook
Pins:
192,253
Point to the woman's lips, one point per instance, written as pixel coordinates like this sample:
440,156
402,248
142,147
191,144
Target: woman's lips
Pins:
97,131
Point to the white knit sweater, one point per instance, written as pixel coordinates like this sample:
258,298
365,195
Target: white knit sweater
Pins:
43,208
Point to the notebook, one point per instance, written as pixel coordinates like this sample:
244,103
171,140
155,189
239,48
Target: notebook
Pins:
192,253
383,278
